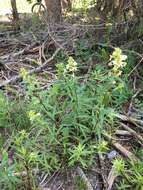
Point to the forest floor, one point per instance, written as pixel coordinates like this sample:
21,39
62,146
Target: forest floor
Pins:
35,49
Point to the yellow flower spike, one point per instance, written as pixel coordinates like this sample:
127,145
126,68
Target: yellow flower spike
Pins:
108,24
72,65
23,73
33,115
113,82
97,18
117,59
118,73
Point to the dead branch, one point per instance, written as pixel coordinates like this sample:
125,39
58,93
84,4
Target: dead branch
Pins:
84,178
21,52
136,66
130,119
121,149
35,70
134,133
123,133
111,178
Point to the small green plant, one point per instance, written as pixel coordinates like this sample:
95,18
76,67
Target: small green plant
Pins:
119,166
132,177
26,157
7,178
123,185
136,176
102,147
80,154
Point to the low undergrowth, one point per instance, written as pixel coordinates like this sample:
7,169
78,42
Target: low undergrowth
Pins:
63,126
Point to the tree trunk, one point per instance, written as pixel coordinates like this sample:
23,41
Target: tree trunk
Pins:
67,5
54,10
15,15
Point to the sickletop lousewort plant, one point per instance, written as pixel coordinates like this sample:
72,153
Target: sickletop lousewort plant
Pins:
68,89
118,61
63,70
72,65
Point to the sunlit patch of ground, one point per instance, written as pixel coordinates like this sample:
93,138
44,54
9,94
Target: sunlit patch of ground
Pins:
22,5
5,8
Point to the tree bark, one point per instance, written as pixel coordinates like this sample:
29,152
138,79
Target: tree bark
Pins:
15,15
54,10
66,5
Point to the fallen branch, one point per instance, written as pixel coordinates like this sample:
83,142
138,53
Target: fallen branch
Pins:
124,151
35,70
133,97
123,133
134,133
21,52
121,149
84,178
111,178
130,119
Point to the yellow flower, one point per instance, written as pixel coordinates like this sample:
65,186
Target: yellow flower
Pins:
118,61
23,73
117,72
97,18
108,24
33,115
72,65
113,82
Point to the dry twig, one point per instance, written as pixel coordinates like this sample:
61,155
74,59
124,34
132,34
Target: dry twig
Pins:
121,149
134,133
35,70
136,122
123,133
136,66
111,178
84,178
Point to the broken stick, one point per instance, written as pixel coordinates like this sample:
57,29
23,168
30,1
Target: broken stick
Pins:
84,178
